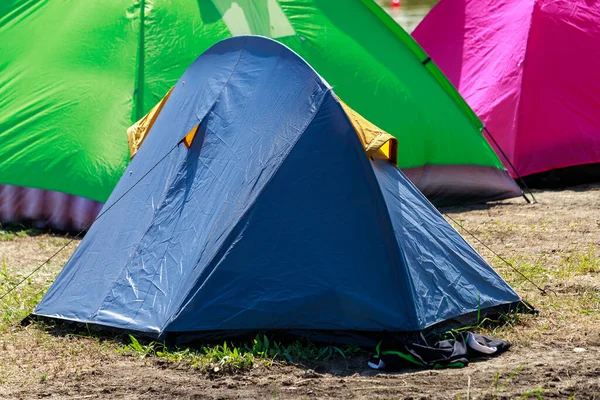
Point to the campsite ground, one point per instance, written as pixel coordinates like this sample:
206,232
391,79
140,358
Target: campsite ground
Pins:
556,243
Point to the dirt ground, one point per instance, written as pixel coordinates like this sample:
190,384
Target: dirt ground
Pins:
555,355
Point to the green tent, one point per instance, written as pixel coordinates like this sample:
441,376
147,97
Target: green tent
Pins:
75,74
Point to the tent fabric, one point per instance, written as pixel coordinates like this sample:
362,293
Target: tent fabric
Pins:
377,143
529,70
447,185
273,219
76,74
46,209
137,132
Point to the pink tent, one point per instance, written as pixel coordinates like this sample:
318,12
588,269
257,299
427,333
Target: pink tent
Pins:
530,69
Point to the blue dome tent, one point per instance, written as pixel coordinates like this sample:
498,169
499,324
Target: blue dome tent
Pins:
252,206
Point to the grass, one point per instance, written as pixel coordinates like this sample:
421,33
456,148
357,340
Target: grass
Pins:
19,303
535,393
572,296
213,359
235,357
579,263
500,383
499,386
543,271
12,232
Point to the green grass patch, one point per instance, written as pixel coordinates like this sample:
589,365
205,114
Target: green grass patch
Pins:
22,300
234,357
543,271
7,236
579,263
12,232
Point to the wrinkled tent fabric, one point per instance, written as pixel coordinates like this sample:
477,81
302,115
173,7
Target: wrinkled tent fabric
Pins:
76,74
273,219
529,69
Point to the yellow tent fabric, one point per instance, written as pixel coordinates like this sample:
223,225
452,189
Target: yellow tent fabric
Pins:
189,138
376,142
138,131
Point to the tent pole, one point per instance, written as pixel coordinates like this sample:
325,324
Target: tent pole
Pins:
138,111
513,168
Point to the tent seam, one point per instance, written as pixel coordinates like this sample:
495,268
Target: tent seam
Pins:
390,224
164,196
397,242
139,89
180,307
401,34
160,205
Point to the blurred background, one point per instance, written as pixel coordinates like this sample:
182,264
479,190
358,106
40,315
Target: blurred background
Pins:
408,13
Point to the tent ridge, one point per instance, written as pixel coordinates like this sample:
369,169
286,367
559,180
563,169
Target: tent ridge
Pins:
427,62
401,254
134,251
161,203
166,191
